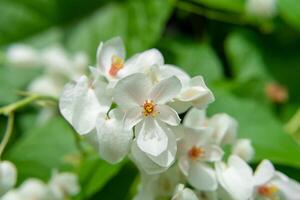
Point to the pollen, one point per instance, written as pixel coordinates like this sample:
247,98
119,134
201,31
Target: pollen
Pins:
267,190
149,108
195,152
117,63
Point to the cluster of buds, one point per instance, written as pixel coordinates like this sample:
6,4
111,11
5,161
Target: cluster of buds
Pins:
130,107
60,187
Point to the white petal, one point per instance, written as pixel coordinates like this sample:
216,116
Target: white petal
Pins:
197,93
167,157
212,153
33,188
195,118
132,117
151,137
202,177
166,71
108,49
132,91
168,115
264,172
184,193
180,106
289,188
114,140
225,128
243,149
236,178
144,162
80,106
184,165
142,62
11,195
166,90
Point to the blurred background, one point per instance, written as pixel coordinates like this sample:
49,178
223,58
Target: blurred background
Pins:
247,50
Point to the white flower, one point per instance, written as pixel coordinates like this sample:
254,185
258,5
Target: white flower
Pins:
63,185
183,193
33,189
12,195
223,126
159,185
145,106
243,149
21,55
270,184
236,177
114,140
111,60
82,101
8,176
261,8
194,92
195,153
46,85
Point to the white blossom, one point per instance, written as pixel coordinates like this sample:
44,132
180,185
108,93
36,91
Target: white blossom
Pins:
243,149
145,106
183,193
196,152
21,55
63,185
261,8
33,189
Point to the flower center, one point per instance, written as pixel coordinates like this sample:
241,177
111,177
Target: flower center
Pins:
267,190
195,152
149,108
117,63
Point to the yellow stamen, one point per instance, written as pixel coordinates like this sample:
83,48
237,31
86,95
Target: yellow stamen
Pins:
267,190
195,152
117,63
149,108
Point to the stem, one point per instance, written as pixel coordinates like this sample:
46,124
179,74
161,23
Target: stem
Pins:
6,110
8,132
294,123
214,15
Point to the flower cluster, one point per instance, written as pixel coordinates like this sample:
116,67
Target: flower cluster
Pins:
61,185
132,106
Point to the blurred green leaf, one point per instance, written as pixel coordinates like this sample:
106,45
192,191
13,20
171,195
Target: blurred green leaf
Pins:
245,57
259,125
196,58
228,5
119,186
139,23
290,11
12,80
95,174
43,149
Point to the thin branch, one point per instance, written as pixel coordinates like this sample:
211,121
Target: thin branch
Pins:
8,132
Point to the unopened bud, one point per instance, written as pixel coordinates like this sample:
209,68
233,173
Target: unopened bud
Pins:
243,149
8,176
276,93
22,56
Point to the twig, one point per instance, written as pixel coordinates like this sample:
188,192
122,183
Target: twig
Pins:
8,132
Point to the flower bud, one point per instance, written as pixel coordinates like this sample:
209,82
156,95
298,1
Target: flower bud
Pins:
8,176
261,8
22,56
63,185
11,195
276,93
33,189
243,149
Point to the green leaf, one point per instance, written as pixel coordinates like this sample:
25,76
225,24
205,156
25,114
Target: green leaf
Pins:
95,174
290,11
139,23
245,57
118,187
227,5
43,149
12,80
196,58
258,124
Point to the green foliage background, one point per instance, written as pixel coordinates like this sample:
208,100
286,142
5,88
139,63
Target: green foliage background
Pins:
236,54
